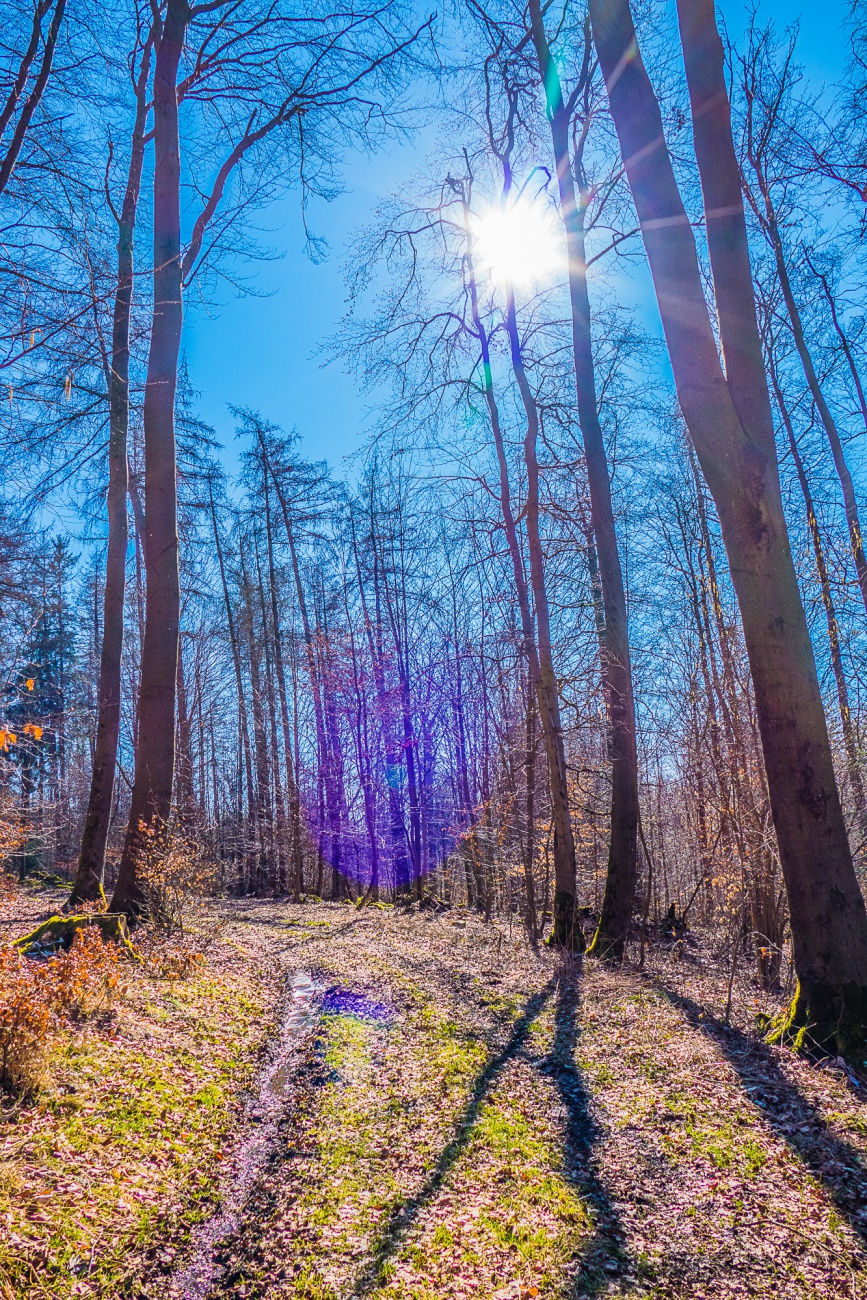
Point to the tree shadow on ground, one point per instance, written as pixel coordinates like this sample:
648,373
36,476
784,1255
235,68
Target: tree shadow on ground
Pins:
603,1258
404,1215
837,1165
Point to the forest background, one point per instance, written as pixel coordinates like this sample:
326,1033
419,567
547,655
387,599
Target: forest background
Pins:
354,710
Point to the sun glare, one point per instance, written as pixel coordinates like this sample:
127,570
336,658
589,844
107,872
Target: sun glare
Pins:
517,244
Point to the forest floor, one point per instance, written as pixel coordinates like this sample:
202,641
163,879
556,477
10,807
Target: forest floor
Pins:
457,1116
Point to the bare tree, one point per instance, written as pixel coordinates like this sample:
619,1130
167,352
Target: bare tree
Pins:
91,862
729,419
766,92
573,118
316,64
16,114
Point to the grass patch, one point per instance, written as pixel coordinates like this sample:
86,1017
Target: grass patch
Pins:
128,1138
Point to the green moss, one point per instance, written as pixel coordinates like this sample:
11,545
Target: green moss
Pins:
60,931
824,1019
704,1135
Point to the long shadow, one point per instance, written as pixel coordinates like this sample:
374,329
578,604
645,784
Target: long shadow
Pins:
840,1167
603,1257
402,1217
321,932
330,933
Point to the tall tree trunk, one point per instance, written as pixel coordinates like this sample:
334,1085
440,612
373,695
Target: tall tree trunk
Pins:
566,931
252,806
618,899
850,744
373,630
264,821
735,449
531,918
91,861
155,752
335,792
364,759
397,821
296,858
184,790
396,609
566,928
278,874
464,798
315,685
829,424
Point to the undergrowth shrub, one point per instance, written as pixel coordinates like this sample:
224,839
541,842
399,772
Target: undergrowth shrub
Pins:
174,873
13,831
38,998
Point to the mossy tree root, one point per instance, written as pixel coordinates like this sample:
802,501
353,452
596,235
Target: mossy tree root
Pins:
825,1019
608,947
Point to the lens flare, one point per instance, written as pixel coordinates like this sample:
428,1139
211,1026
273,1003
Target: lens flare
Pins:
518,244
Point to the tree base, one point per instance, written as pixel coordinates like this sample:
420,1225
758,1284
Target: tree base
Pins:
59,932
606,946
567,932
91,891
824,1019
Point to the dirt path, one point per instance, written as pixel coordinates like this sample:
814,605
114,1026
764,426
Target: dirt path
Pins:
473,1120
445,1115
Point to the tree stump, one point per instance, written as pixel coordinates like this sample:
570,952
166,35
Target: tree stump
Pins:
58,933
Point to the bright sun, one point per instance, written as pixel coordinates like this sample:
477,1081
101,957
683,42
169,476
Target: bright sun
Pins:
519,243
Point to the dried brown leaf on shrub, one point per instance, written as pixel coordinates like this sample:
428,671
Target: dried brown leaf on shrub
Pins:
175,873
37,997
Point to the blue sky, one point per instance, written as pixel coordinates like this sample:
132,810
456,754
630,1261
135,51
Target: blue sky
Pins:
260,351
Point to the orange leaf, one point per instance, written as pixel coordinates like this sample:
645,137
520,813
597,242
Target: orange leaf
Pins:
30,683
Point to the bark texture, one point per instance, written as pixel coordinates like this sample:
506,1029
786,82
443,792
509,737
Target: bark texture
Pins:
728,429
